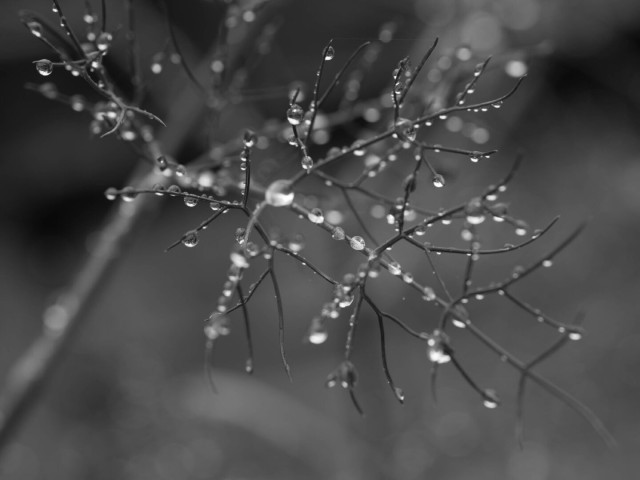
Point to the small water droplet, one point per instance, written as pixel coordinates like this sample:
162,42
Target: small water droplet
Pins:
405,130
474,211
181,170
547,263
174,189
190,239
35,28
159,189
318,332
217,325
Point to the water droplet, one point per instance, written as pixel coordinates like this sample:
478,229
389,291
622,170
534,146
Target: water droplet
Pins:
239,235
279,193
35,28
307,163
490,398
44,67
329,53
238,259
190,201
547,263
438,347
474,211
296,243
217,325
318,332
181,170
357,243
249,139
316,216
111,193
420,230
128,194
428,294
438,181
345,375
575,335
103,41
475,156
394,268
405,130
407,277
295,114
174,189
159,189
215,206
338,234
190,239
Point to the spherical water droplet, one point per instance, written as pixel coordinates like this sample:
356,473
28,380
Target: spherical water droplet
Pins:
547,263
338,234
296,243
190,201
103,41
44,67
35,28
159,189
474,211
295,114
318,332
490,398
240,235
420,230
128,194
575,335
306,163
249,139
329,53
316,216
215,206
174,189
111,193
279,193
438,181
428,294
407,277
181,170
405,130
190,239
357,243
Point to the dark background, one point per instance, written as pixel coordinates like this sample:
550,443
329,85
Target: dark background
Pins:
130,399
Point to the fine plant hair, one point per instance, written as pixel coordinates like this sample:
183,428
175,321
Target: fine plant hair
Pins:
397,142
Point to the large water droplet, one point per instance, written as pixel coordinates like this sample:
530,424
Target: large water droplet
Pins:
490,398
357,243
190,239
279,193
329,53
318,332
316,216
295,114
405,130
438,181
44,67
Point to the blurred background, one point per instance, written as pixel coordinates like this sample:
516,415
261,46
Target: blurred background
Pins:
130,399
